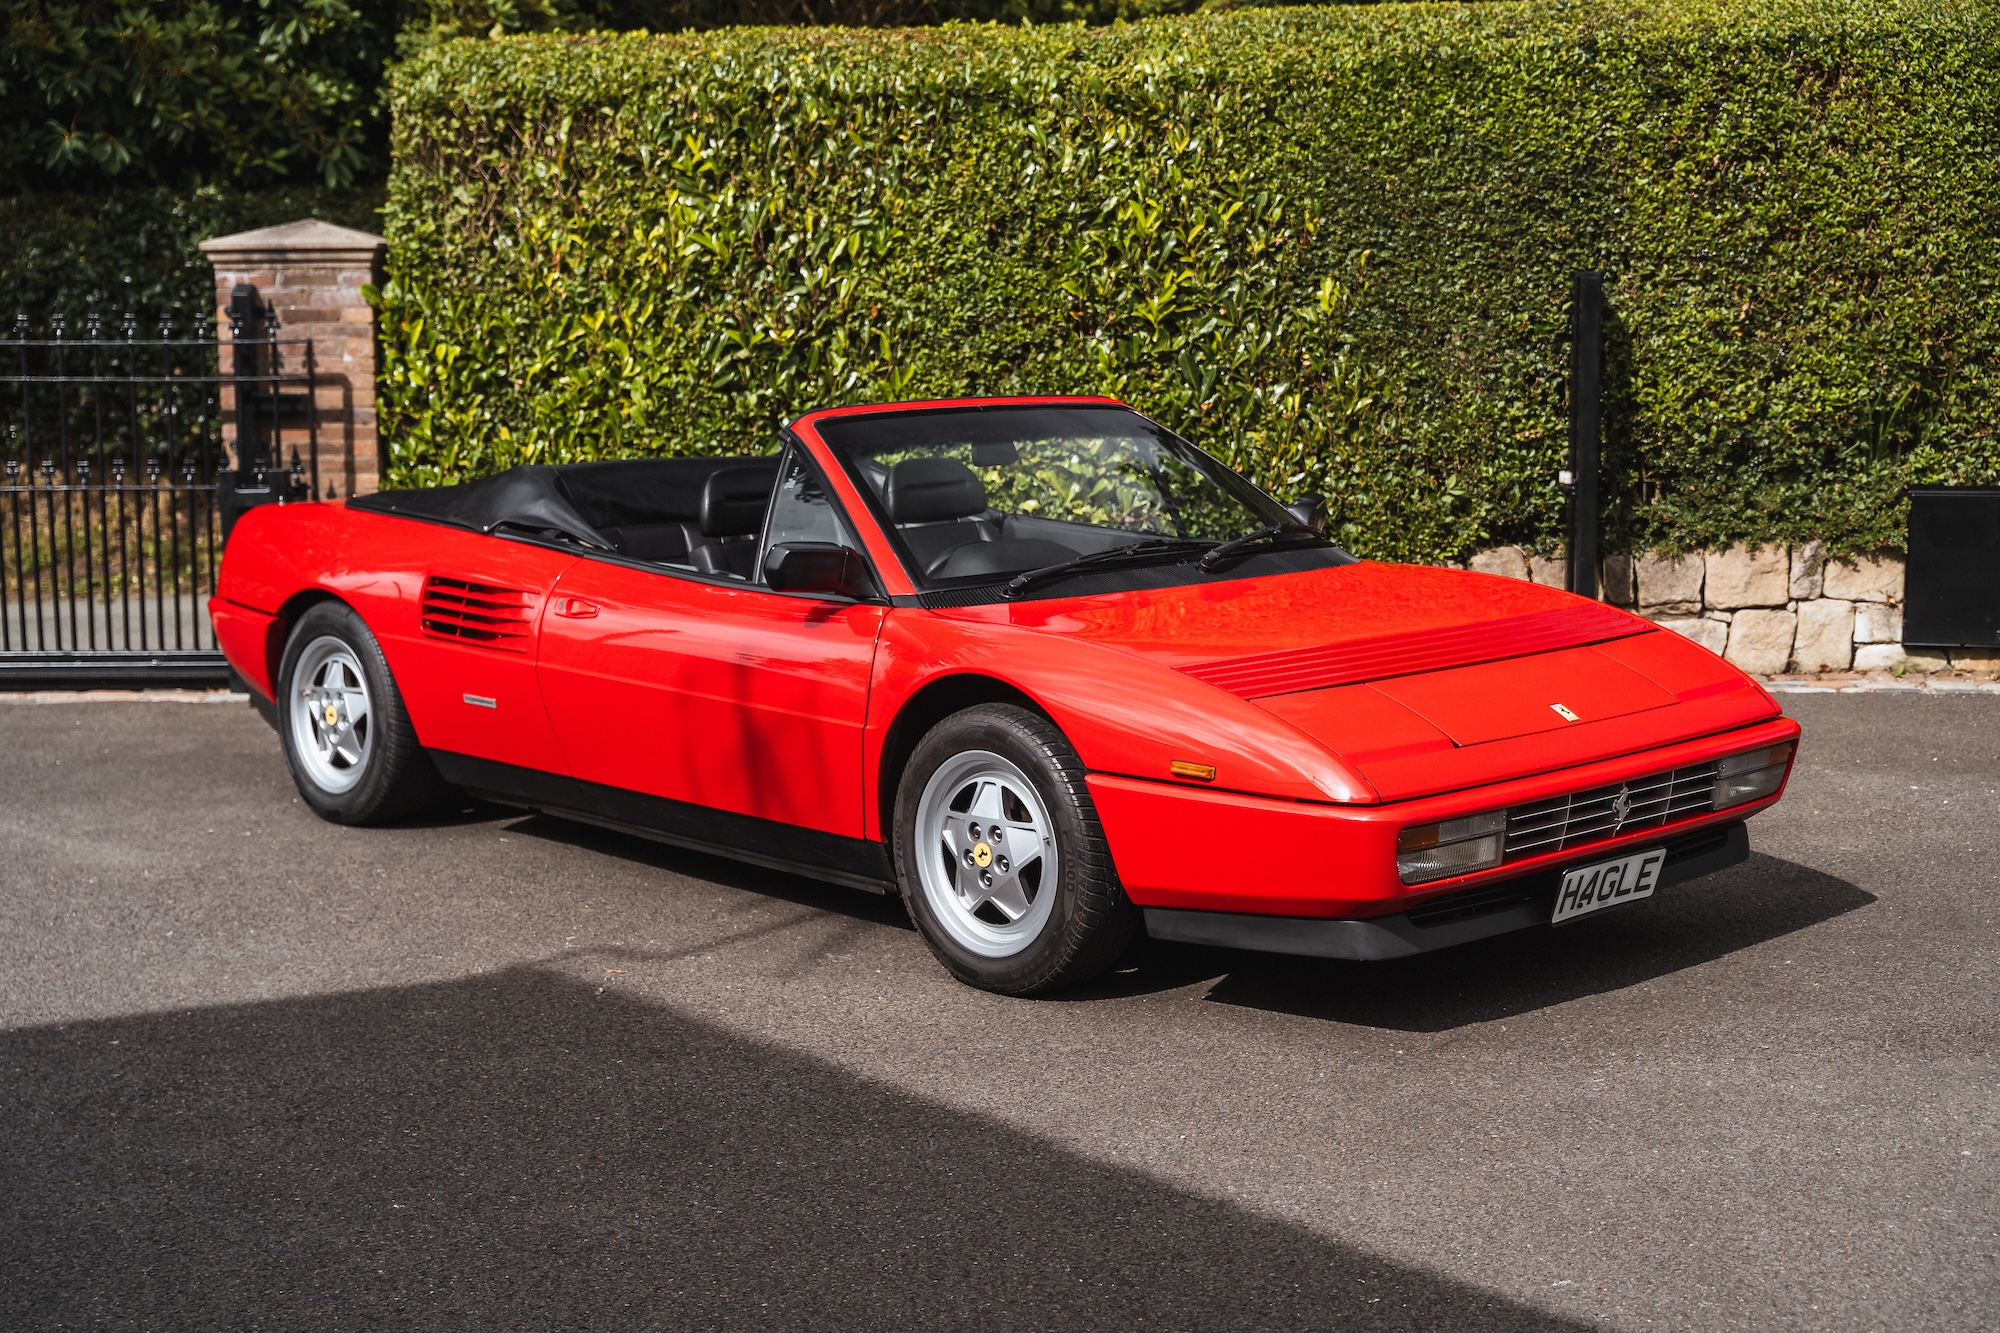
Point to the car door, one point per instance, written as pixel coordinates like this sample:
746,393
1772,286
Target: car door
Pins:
715,690
463,647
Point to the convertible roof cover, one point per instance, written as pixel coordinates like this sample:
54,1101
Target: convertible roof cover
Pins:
527,498
569,500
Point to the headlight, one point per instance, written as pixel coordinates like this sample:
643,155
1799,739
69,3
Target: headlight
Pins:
1750,776
1455,847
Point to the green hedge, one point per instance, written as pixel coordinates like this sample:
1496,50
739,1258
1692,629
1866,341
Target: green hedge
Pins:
133,130
1333,245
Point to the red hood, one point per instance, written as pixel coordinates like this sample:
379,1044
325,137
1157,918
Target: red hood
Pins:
1423,679
1229,619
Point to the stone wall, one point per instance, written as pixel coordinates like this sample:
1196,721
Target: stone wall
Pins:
1771,610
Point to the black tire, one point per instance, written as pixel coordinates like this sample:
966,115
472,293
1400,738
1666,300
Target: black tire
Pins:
1088,924
394,779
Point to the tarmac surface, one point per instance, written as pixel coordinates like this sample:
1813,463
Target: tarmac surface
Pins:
503,1071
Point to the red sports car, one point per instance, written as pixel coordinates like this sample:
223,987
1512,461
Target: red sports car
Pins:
1039,665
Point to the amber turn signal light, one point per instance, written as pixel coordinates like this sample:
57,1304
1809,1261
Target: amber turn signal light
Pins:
1182,768
1455,847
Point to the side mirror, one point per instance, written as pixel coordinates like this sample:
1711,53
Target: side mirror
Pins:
1309,510
818,567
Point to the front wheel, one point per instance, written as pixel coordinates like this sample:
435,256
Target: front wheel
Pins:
1001,858
348,741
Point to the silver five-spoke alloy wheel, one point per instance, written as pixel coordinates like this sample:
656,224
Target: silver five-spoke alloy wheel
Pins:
332,728
986,853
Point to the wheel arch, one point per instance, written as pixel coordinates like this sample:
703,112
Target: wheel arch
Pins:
924,709
288,615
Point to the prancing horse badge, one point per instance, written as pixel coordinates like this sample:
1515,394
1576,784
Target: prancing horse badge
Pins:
1564,713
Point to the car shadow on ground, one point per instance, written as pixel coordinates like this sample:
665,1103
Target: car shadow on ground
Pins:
839,899
1684,926
521,1150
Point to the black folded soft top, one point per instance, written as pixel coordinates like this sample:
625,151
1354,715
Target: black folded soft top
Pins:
567,501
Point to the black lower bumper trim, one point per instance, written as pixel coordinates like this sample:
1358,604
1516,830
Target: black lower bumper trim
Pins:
1461,918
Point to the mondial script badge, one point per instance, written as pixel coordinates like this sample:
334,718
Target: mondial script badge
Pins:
1621,808
1564,713
982,855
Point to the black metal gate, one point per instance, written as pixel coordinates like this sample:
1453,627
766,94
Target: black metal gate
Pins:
118,488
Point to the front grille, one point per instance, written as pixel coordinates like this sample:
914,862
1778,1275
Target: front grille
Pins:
1581,817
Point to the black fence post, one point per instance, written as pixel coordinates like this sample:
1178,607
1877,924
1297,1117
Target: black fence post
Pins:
1586,375
243,339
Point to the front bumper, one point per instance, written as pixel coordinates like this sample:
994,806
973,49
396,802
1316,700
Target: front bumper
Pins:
1179,845
1459,918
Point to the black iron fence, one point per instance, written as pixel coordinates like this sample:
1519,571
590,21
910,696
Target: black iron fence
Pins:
118,486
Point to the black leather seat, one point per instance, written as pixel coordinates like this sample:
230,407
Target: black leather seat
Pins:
650,508
937,505
733,501
663,543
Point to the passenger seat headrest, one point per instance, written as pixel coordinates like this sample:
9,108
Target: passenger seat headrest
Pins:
733,501
932,490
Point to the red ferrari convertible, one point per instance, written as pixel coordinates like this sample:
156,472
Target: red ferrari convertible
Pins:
1039,665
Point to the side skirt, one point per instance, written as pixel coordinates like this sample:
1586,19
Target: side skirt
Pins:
1514,905
855,862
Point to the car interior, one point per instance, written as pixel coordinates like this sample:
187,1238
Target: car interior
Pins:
709,515
703,514
706,514
939,508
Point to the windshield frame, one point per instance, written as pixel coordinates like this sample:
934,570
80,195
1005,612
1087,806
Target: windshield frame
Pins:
1259,506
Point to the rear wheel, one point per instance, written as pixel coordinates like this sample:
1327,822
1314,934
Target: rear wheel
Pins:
348,741
1001,859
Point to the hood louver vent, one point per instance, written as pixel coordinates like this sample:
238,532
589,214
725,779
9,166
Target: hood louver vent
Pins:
1418,651
481,613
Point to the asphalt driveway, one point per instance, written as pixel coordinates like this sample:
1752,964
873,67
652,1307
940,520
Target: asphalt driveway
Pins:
504,1071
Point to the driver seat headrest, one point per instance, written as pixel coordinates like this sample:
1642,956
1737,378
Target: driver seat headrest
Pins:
932,490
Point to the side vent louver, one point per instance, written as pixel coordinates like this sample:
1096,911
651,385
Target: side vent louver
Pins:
480,613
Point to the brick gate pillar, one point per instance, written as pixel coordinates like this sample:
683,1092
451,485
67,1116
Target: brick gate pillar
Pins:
311,273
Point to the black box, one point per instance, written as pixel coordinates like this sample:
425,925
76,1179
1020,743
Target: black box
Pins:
1951,590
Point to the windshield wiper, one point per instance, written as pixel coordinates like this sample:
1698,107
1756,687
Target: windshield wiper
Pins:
1142,553
1242,546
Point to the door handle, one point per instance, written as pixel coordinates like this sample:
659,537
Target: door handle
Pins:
575,608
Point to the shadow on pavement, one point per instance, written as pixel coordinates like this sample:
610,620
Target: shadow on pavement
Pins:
839,899
1683,927
524,1150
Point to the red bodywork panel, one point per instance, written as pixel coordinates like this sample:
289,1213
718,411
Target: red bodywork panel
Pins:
727,697
1336,706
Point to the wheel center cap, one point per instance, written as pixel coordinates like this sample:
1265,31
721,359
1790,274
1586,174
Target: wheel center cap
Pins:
332,714
982,855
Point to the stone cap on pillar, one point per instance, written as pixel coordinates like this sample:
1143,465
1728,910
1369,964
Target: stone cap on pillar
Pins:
308,239
312,276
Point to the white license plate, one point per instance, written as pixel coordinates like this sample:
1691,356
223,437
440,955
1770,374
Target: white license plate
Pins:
1595,887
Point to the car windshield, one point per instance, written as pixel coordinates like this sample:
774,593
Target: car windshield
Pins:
985,493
